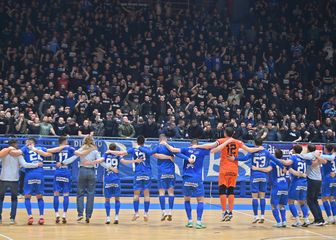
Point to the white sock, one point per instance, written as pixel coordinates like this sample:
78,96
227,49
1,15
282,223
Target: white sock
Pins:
116,217
262,216
41,216
163,212
64,214
170,212
190,221
199,222
108,219
57,214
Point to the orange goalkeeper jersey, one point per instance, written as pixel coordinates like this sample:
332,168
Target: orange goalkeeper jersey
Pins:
231,150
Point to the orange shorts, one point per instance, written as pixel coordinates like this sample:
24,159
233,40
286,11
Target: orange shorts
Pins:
227,179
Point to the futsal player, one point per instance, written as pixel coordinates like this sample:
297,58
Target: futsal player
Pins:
298,186
142,175
279,191
228,172
111,162
259,179
192,180
166,176
34,178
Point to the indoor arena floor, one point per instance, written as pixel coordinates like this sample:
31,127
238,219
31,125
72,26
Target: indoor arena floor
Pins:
239,228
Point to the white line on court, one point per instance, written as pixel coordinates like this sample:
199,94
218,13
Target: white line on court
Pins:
5,237
301,229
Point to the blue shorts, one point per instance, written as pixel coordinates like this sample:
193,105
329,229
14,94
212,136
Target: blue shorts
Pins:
329,186
112,188
166,183
192,188
62,183
33,183
258,186
279,195
142,183
297,191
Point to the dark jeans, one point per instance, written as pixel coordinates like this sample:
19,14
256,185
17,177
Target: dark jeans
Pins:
86,182
21,181
314,189
13,187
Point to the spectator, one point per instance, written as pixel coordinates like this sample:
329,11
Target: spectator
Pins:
46,128
126,129
71,127
86,129
60,127
195,130
110,125
98,126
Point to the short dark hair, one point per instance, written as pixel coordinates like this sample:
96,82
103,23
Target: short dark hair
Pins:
61,139
311,147
32,139
141,140
258,142
194,141
113,146
278,153
12,142
297,148
229,131
328,147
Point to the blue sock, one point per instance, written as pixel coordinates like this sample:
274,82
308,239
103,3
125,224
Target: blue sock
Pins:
28,206
162,202
187,207
200,208
304,209
136,206
56,203
283,214
146,206
293,210
262,205
276,216
65,203
171,202
327,209
107,208
255,206
333,207
117,207
40,204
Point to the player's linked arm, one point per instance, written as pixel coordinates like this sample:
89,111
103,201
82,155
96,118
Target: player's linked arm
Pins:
171,148
297,173
162,156
4,152
118,153
221,146
56,149
42,153
138,160
83,152
15,152
252,149
287,162
24,164
266,170
180,155
323,159
244,157
207,145
275,160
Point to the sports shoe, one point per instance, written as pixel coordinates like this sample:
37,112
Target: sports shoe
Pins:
146,217
318,224
225,216
170,218
116,222
297,224
108,220
306,223
200,226
41,221
64,221
189,225
163,217
284,224
30,221
255,219
79,218
58,219
277,225
229,217
331,220
135,217
261,220
87,220
12,221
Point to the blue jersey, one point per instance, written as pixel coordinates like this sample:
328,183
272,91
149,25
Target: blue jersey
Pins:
32,157
143,168
260,159
329,167
111,161
299,165
278,177
66,153
165,166
194,170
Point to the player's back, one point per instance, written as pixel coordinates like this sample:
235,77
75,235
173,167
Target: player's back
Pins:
260,159
32,157
64,154
328,168
299,165
278,177
165,166
194,170
111,161
142,167
231,150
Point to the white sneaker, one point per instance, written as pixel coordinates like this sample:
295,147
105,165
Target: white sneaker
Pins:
284,224
297,224
255,219
12,221
331,220
108,220
277,225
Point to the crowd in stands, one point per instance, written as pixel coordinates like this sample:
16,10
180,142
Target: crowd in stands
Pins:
95,67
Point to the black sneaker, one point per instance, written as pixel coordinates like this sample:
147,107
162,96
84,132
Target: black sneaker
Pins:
87,220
